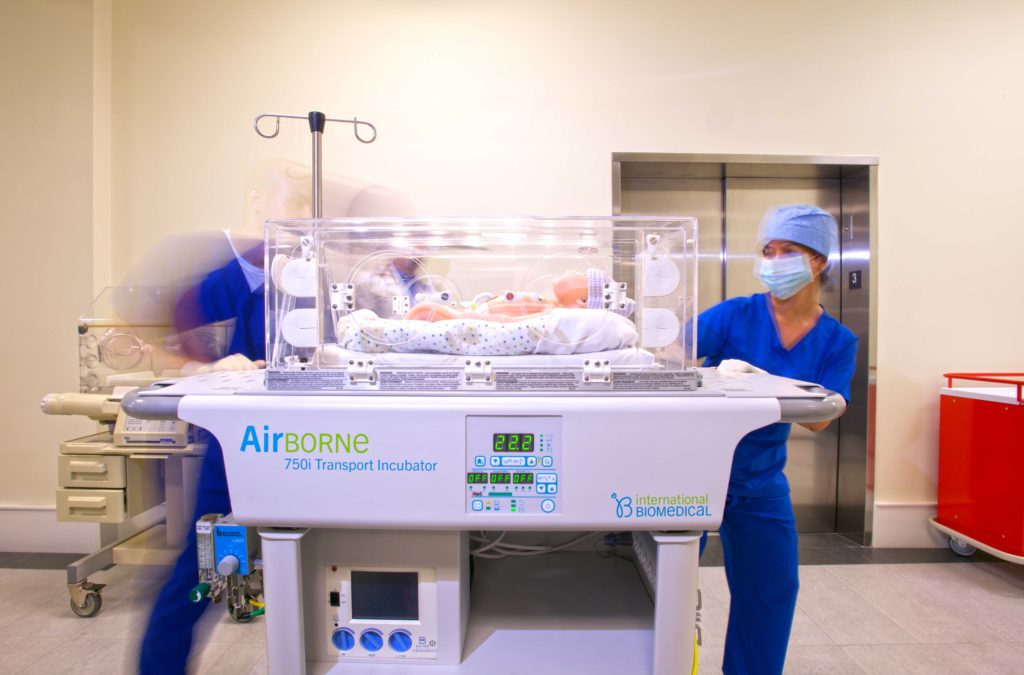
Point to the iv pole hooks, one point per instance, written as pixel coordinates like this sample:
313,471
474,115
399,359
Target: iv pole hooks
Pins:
317,122
277,125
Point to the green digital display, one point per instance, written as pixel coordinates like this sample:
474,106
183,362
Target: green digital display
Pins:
501,478
525,478
513,443
476,478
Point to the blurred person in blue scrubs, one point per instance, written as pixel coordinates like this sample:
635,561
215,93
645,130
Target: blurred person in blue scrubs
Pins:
275,189
784,332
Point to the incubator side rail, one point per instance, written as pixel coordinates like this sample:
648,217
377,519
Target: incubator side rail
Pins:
794,410
797,410
142,407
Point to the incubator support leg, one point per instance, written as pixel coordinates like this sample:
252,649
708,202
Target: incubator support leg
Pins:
675,604
282,591
181,474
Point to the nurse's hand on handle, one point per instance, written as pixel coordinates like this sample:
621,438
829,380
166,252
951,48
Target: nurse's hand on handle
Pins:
732,367
735,366
232,362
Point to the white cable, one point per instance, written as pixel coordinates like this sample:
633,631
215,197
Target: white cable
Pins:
495,549
490,545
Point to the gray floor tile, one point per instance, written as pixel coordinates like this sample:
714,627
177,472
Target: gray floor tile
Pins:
87,656
901,556
713,587
21,653
844,615
991,596
709,660
899,592
713,623
806,631
825,540
875,618
817,659
937,658
230,659
833,555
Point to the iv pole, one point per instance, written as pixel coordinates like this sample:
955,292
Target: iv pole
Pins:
317,122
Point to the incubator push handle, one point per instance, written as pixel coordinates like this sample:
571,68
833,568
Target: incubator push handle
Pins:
804,410
150,407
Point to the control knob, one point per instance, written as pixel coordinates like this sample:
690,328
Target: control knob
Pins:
371,640
400,641
227,566
343,639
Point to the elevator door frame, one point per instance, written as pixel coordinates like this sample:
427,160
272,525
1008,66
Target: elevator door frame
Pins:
856,306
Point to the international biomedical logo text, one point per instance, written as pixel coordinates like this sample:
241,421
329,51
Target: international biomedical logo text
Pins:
662,506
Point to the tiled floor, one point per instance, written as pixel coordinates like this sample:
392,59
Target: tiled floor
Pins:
859,611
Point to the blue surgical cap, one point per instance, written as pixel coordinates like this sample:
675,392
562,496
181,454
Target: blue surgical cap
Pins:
803,224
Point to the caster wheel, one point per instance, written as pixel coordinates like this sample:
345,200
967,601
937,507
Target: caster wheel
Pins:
961,547
241,617
93,602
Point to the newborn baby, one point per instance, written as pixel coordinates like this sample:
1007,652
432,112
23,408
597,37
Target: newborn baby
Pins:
594,290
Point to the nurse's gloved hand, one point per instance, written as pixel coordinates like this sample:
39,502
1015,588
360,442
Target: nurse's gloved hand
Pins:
232,362
735,366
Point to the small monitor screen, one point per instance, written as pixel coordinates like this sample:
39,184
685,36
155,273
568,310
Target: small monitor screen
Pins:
386,595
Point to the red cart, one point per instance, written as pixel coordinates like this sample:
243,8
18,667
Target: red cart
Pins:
981,465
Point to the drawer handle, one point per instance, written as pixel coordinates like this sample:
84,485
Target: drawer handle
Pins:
87,467
87,504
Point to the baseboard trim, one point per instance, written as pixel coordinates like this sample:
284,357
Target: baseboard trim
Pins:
34,529
905,525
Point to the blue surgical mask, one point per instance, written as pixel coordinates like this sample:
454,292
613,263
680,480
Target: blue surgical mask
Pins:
784,276
253,275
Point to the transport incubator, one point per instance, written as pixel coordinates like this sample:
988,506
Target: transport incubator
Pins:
428,378
135,478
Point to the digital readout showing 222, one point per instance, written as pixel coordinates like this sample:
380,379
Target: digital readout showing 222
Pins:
513,443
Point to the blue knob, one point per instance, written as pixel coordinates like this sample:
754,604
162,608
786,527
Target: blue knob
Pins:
400,641
343,639
371,640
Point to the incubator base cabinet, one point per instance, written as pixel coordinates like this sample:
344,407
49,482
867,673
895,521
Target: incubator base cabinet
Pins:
363,502
430,378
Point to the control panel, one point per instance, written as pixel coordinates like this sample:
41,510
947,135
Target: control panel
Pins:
234,547
388,614
513,465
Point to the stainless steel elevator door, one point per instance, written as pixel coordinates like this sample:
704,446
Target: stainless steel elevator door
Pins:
813,458
729,211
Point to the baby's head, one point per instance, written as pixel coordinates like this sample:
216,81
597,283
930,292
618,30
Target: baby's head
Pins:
591,290
571,290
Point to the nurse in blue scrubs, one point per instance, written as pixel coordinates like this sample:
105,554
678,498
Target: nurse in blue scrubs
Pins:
234,291
785,332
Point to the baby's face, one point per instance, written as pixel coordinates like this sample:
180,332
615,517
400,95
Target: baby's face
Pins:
571,290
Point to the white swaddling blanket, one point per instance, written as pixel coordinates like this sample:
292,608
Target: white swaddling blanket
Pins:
333,356
560,331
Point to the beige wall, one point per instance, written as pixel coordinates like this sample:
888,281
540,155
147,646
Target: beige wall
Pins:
516,107
46,193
